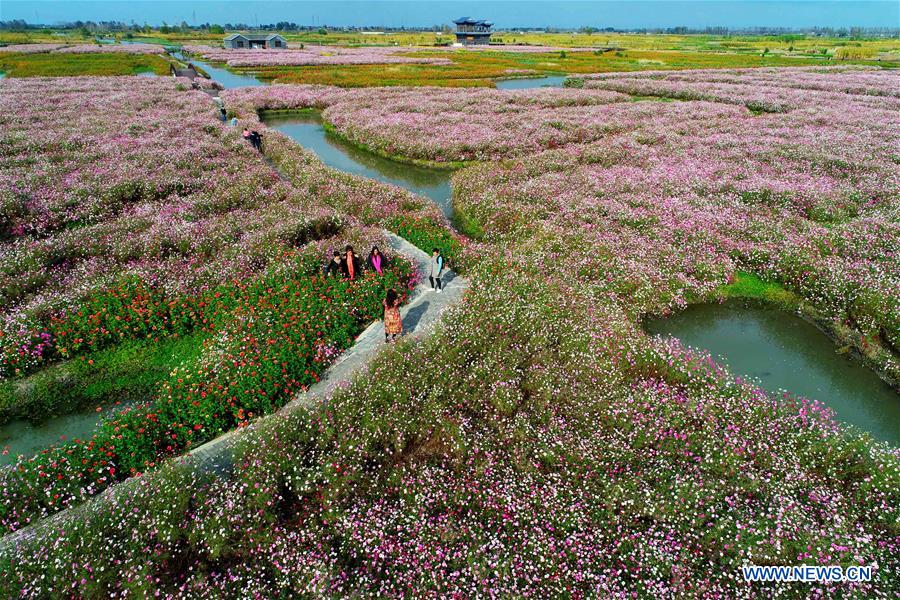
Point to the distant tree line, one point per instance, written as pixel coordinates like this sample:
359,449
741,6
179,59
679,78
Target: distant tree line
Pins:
119,26
93,27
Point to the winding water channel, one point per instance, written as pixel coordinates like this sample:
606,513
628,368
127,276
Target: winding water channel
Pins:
228,79
781,351
306,129
22,437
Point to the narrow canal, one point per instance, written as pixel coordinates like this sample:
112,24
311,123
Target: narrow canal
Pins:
228,79
782,352
531,82
222,75
22,437
306,129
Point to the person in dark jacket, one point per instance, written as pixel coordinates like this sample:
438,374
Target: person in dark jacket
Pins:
334,268
256,140
376,261
351,266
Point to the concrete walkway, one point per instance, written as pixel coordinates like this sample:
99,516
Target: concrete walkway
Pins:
422,310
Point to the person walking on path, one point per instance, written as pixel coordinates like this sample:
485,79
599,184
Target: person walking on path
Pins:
393,324
376,261
350,266
435,269
334,266
256,140
234,121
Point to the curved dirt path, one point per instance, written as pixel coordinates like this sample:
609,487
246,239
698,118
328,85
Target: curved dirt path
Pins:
422,310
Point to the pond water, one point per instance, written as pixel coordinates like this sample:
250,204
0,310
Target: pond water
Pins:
781,351
228,79
22,437
306,129
531,82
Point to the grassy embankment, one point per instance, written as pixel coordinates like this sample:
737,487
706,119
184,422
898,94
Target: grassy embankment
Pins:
69,65
748,286
128,372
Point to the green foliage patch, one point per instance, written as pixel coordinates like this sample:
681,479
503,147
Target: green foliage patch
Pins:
70,65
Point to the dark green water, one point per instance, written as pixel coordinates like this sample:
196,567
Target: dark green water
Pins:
21,437
781,351
306,129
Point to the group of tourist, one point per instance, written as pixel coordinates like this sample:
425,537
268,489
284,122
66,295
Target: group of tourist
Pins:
349,266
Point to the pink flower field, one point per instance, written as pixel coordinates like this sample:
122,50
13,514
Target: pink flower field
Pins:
447,125
112,176
311,55
767,90
85,48
537,443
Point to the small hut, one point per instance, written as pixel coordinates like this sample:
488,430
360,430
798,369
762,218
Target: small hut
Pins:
255,40
472,32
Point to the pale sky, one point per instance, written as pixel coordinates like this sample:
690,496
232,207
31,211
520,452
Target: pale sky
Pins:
504,13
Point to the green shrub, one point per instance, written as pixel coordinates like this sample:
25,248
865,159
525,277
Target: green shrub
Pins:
425,234
127,373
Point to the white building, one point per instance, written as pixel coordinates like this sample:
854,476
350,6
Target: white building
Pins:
255,40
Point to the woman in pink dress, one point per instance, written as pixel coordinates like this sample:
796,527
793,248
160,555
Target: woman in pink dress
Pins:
376,261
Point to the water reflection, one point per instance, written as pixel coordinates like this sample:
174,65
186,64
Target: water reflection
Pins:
783,352
533,82
306,129
23,437
225,77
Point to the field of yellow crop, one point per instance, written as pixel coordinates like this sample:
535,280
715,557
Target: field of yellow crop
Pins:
69,65
791,44
481,68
